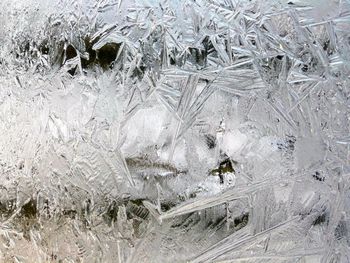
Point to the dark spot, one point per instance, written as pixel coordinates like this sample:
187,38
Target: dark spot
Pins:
53,256
70,52
280,145
241,221
208,45
320,219
7,207
182,198
280,57
210,140
139,72
225,166
199,57
72,71
166,206
221,177
326,45
111,213
29,210
88,206
27,47
44,48
3,207
34,170
263,27
305,68
70,213
192,195
290,142
318,176
107,54
172,61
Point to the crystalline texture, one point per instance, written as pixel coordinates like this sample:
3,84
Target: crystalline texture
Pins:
174,131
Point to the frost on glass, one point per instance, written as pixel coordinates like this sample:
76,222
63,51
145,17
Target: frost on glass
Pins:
174,131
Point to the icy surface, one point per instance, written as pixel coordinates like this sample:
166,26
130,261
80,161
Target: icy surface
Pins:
174,131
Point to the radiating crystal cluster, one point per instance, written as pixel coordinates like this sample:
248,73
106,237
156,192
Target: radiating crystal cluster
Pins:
174,131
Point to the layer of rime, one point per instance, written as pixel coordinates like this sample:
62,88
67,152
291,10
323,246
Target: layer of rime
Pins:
174,131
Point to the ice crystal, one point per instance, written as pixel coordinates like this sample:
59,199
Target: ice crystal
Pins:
174,131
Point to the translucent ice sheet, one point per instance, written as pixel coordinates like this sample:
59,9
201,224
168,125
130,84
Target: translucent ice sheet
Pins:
174,131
